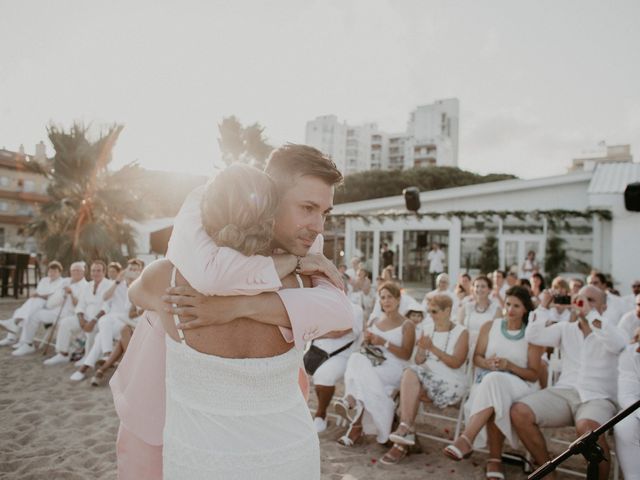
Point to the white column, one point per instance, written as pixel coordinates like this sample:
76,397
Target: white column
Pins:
597,242
455,244
376,254
348,241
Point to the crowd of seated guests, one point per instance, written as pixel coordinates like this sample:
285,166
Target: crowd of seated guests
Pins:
98,312
504,329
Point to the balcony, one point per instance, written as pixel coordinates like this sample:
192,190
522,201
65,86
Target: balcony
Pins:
24,196
15,219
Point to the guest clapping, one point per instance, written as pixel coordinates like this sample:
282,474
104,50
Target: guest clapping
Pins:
438,376
507,370
373,374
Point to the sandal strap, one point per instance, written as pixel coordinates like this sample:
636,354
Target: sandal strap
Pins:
397,446
494,460
405,425
466,439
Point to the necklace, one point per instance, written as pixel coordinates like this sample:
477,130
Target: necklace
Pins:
509,336
475,307
446,343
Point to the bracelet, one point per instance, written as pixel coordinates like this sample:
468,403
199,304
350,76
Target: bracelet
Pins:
298,269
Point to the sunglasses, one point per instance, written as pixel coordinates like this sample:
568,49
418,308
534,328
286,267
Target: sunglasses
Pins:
433,311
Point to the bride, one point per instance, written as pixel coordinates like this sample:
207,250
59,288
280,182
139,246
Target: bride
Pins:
234,408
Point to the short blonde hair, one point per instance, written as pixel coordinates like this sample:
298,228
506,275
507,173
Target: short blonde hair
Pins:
560,282
441,301
238,209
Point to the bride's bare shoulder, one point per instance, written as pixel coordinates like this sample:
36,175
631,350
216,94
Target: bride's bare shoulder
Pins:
147,289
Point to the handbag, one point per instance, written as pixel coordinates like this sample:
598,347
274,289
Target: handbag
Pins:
373,353
315,356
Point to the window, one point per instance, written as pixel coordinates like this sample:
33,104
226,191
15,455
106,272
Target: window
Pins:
5,181
29,186
4,206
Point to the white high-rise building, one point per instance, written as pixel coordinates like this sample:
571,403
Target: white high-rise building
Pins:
431,138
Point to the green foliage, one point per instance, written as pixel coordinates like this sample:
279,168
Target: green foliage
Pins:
243,144
489,255
555,259
85,216
379,183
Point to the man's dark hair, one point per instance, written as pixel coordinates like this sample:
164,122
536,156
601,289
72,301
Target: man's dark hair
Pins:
55,265
601,276
290,161
100,262
136,261
501,272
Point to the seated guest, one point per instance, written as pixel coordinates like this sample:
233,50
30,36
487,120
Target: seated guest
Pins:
629,301
537,286
506,370
62,303
559,312
627,432
122,342
117,308
38,300
113,270
575,284
339,345
88,312
369,382
512,279
438,374
631,320
462,289
585,393
499,287
480,310
442,288
615,305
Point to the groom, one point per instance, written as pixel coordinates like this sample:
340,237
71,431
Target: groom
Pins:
305,180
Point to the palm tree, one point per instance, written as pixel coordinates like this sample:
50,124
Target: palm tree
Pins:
85,217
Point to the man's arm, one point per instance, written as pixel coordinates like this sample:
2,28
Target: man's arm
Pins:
537,333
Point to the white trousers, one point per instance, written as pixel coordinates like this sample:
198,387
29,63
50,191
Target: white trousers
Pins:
332,371
28,308
45,316
69,329
109,327
627,434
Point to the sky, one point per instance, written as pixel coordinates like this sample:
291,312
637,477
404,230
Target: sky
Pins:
539,81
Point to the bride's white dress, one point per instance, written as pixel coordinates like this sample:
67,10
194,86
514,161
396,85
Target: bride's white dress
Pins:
236,418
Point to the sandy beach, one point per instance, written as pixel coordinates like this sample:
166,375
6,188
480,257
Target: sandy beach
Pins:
55,429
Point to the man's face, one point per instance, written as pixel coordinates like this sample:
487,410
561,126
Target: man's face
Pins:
596,297
77,274
512,280
638,305
97,272
498,278
301,214
635,287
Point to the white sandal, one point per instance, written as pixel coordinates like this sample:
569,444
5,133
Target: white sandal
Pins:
455,453
498,475
346,411
346,441
408,439
394,461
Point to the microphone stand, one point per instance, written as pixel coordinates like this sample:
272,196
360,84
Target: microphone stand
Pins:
587,446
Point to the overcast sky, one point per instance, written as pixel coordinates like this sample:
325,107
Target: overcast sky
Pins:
538,81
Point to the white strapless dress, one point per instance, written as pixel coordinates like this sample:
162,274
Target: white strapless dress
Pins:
236,418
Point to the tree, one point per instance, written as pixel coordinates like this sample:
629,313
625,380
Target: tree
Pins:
489,255
85,218
385,183
555,259
243,144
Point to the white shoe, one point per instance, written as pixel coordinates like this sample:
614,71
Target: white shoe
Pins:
320,424
18,344
9,325
57,359
77,376
24,349
79,363
10,339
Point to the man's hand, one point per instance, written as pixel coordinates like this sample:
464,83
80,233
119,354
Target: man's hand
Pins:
546,298
319,264
197,310
425,342
581,305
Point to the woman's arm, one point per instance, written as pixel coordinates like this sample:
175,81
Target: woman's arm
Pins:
460,352
479,359
405,350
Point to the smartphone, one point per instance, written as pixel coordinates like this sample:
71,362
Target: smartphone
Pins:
562,299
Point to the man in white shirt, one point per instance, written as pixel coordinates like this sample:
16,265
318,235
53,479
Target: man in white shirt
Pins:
60,304
436,259
585,393
500,287
615,305
630,300
46,287
631,320
627,432
117,308
87,313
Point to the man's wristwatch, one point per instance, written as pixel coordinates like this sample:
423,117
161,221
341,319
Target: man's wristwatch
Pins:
298,269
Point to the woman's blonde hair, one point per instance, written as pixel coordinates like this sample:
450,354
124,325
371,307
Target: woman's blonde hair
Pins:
441,301
238,209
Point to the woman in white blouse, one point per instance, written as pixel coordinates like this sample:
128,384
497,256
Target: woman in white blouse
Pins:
481,309
439,374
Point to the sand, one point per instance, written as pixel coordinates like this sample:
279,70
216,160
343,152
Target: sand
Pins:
52,428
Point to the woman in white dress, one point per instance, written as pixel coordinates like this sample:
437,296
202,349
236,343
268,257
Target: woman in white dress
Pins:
367,404
438,373
479,310
507,369
234,409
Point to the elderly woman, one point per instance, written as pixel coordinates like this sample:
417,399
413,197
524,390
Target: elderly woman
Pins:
507,370
438,374
370,380
481,309
442,288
